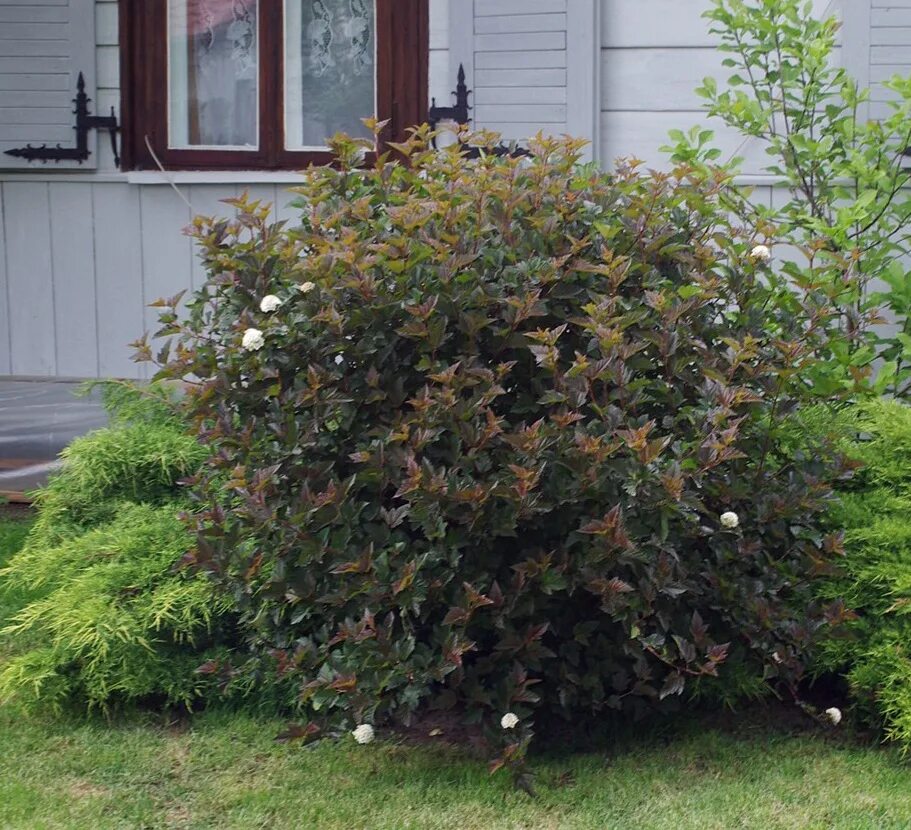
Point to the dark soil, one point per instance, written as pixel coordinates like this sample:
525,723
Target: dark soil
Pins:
15,511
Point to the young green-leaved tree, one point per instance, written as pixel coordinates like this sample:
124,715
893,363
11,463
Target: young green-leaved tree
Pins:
845,176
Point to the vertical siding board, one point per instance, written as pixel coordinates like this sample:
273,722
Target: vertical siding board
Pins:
283,210
5,367
583,74
461,43
106,24
206,200
856,38
166,250
438,81
264,193
73,258
30,277
439,24
107,60
777,198
118,262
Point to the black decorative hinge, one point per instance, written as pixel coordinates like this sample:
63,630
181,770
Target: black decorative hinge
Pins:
84,123
459,114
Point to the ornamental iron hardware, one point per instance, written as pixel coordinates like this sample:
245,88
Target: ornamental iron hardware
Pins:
459,114
84,123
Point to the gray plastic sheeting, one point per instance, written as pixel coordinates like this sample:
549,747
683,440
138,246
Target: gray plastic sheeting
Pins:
37,420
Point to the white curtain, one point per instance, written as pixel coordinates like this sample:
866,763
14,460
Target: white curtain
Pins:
213,74
330,69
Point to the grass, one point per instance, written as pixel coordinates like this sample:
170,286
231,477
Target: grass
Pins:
226,771
222,770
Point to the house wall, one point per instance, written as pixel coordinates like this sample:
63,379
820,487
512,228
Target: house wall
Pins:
889,49
654,53
83,253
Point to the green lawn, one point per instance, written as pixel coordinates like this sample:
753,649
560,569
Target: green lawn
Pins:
226,771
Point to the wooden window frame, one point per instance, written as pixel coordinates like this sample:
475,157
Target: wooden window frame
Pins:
403,47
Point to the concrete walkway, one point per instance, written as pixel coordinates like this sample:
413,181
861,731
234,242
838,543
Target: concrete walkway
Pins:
38,418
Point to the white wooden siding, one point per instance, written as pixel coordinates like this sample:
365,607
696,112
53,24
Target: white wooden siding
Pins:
30,278
119,281
654,53
43,48
889,49
440,82
82,261
72,239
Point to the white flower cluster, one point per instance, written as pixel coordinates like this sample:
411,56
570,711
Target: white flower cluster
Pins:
730,520
364,734
270,303
834,716
761,253
253,340
509,721
306,287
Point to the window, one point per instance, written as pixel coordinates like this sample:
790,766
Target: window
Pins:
241,84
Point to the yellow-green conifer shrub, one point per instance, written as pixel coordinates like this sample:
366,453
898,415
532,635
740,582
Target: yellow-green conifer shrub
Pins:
874,651
111,618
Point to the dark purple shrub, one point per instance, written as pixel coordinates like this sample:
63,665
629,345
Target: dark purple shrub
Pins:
478,455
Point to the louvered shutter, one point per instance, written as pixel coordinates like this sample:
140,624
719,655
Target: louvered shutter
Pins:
44,45
520,66
530,63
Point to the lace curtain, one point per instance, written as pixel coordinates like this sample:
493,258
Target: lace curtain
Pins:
330,69
213,73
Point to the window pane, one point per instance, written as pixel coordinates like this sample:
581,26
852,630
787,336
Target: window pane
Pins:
213,74
330,69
